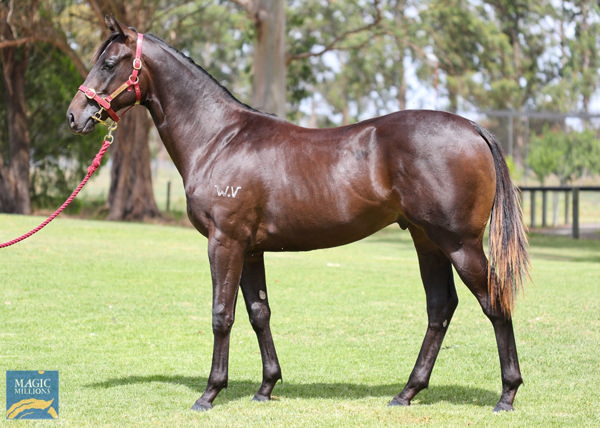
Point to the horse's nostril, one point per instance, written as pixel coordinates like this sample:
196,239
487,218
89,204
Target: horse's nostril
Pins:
71,118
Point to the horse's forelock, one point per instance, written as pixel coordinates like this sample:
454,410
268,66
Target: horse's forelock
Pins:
104,46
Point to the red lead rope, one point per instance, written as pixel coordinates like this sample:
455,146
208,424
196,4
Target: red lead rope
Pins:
92,168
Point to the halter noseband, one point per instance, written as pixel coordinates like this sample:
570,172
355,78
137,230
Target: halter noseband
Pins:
131,83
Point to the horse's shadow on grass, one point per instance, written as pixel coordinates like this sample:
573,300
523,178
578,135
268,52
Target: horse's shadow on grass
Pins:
245,389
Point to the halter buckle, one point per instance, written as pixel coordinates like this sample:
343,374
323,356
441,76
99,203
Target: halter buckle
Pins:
90,93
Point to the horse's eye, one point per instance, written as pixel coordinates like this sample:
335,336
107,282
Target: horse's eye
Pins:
109,64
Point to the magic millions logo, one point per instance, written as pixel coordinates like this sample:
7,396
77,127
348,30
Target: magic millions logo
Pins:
31,394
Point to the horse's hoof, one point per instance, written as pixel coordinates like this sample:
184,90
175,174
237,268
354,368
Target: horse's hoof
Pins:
261,397
396,402
503,407
201,406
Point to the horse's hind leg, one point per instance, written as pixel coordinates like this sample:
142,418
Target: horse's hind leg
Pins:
436,273
471,264
254,289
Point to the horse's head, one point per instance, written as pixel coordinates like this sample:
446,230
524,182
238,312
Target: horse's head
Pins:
115,81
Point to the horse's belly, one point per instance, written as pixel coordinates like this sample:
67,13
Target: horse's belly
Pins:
320,228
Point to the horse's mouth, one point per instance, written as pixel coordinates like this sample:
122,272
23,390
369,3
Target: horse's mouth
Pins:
89,126
86,128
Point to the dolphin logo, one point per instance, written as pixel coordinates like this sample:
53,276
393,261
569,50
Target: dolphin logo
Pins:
27,406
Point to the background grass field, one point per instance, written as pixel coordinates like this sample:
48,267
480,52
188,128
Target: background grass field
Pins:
123,312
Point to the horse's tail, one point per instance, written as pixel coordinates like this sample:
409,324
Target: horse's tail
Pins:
508,259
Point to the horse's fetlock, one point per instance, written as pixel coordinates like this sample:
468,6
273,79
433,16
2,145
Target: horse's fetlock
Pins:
272,373
217,382
418,380
512,382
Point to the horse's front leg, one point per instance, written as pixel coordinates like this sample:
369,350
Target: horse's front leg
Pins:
254,289
226,261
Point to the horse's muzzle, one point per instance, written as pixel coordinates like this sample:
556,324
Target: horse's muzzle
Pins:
81,122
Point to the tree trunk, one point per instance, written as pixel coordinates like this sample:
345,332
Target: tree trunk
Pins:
14,178
269,81
131,196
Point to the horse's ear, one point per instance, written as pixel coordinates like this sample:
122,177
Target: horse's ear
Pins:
113,25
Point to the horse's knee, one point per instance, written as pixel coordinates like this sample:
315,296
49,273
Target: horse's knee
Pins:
222,321
260,315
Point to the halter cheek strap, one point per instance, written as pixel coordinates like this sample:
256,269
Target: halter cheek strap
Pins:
133,83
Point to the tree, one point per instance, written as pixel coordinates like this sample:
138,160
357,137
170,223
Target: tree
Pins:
58,158
38,21
130,195
39,69
546,152
14,175
218,36
329,52
269,68
495,54
568,155
476,56
578,37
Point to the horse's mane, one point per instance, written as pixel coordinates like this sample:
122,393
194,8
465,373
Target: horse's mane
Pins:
115,36
189,60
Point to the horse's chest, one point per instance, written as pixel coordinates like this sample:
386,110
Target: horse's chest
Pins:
223,206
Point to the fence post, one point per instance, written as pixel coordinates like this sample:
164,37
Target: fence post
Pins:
544,206
168,195
575,230
566,206
532,204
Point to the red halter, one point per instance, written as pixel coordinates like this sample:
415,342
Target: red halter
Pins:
132,83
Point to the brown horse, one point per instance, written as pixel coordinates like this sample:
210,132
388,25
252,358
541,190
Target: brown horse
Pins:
256,183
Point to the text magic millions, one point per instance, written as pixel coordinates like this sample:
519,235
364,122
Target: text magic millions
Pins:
31,394
32,386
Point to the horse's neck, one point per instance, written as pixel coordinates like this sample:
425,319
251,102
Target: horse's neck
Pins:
188,107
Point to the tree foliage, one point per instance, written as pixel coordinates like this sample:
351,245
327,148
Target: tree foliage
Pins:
59,159
345,60
568,155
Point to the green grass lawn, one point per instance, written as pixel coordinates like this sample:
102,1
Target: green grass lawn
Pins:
123,312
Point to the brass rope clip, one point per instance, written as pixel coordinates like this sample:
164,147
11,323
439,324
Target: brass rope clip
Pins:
111,127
